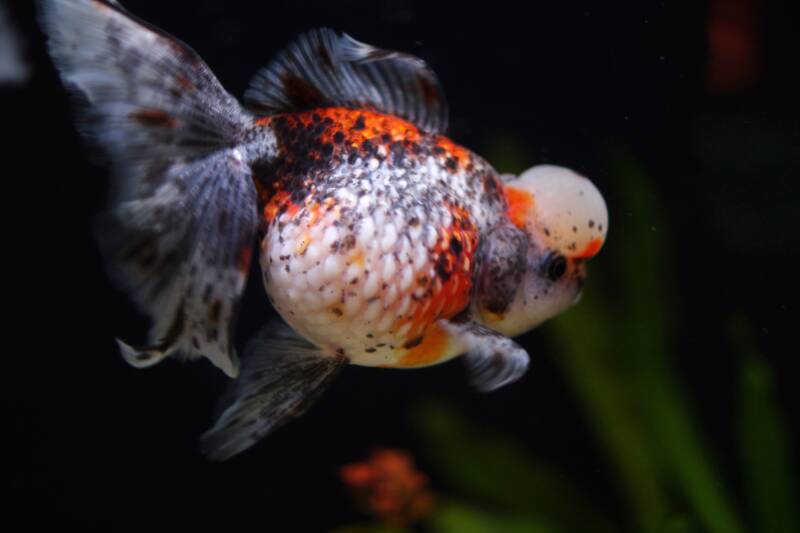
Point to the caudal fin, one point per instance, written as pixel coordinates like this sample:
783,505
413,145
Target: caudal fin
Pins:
282,376
180,228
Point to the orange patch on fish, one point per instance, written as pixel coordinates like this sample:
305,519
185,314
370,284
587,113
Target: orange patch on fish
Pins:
354,126
274,205
520,204
430,349
357,257
449,291
278,204
491,317
449,149
591,249
302,244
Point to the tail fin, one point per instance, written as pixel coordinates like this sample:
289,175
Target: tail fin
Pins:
282,376
181,225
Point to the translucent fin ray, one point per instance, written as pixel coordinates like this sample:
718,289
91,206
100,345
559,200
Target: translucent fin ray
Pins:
183,254
493,360
179,231
322,68
282,375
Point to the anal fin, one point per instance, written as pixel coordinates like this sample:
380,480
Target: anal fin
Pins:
281,377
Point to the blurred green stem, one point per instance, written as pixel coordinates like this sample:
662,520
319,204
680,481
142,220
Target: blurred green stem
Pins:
499,472
645,269
764,444
586,363
458,517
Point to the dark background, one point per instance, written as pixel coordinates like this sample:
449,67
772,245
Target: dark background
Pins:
99,445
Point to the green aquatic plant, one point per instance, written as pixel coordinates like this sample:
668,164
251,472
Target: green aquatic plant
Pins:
764,443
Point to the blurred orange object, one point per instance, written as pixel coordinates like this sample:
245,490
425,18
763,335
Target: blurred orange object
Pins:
389,486
733,45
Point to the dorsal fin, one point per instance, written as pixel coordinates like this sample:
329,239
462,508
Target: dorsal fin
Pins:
323,69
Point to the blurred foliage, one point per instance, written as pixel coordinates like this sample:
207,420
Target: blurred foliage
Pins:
369,527
468,519
502,473
764,444
618,367
615,353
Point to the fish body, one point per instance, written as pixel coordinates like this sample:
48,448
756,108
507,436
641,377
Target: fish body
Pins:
381,241
371,233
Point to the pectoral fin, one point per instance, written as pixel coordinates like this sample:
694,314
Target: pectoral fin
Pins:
493,360
281,377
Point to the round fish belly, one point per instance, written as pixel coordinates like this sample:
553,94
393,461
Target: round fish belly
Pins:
371,289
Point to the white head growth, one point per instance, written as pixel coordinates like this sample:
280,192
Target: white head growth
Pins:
567,212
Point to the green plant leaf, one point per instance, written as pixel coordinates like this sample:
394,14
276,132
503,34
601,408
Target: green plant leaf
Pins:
370,527
591,364
461,518
644,336
765,451
499,472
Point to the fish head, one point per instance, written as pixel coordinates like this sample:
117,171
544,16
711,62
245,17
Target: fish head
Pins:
560,221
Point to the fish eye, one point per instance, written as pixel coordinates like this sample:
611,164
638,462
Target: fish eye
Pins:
555,266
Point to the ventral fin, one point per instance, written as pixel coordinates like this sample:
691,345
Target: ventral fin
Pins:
324,69
282,376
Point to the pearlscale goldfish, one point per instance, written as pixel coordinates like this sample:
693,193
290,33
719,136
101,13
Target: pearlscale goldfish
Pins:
382,242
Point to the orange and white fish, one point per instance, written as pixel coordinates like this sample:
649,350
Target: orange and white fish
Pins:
382,242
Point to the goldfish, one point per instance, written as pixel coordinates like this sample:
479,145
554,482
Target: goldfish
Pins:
381,241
